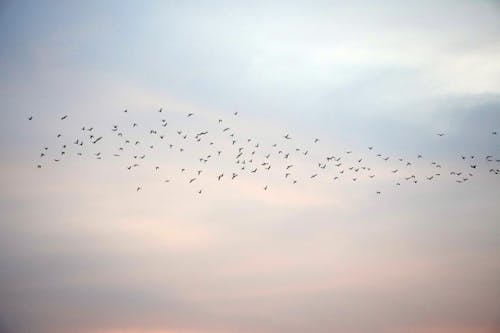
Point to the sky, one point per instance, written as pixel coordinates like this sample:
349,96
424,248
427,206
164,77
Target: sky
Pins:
81,250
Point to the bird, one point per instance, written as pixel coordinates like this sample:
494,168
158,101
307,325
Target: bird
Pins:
440,134
96,140
64,117
30,118
316,140
287,137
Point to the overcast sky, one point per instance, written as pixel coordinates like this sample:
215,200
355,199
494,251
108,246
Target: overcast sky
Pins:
82,251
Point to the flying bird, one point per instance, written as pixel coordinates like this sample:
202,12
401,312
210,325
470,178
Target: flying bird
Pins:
96,140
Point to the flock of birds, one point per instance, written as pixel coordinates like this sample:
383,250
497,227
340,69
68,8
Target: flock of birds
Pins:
136,143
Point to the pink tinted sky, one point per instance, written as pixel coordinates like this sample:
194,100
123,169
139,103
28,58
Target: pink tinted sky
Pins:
82,251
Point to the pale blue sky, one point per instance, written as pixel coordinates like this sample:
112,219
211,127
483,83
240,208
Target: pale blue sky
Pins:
81,251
